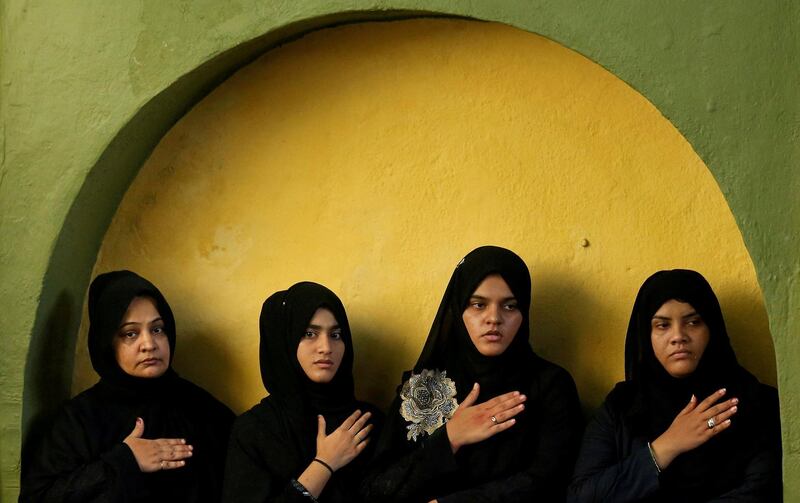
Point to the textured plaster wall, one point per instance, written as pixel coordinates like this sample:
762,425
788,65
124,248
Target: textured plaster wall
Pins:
428,138
86,92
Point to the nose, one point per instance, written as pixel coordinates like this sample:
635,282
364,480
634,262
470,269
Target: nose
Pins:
493,314
678,334
148,341
324,344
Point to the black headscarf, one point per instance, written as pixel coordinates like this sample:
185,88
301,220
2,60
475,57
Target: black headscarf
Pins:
284,318
449,346
110,294
84,457
659,397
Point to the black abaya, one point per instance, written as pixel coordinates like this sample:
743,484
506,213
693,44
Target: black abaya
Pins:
84,459
273,443
532,460
742,463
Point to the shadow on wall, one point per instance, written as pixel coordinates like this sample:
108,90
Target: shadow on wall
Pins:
48,373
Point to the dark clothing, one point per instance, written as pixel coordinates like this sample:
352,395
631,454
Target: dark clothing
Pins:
269,448
273,443
615,464
531,461
84,458
743,458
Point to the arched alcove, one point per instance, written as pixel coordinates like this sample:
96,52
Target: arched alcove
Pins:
127,71
371,156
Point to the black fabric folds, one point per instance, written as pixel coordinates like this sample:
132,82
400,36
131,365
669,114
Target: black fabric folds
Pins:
84,458
275,441
530,461
740,462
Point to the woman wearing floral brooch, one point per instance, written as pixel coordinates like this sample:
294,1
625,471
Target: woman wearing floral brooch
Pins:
306,440
481,417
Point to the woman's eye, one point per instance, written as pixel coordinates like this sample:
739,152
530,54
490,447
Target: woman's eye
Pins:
157,330
129,335
336,335
309,334
661,326
510,307
478,305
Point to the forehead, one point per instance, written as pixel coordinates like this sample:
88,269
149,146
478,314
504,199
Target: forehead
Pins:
493,284
672,308
323,317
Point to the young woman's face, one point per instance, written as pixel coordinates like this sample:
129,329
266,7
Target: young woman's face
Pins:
679,337
492,317
140,345
321,349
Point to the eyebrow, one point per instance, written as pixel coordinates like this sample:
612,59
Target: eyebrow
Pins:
123,325
320,327
480,297
688,315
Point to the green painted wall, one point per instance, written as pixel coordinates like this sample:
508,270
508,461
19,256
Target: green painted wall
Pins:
86,90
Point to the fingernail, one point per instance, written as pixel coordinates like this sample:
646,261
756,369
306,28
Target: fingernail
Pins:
693,398
516,393
735,400
734,408
722,391
138,420
475,386
521,407
512,421
728,421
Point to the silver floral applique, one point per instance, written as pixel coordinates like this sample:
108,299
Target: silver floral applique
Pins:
428,401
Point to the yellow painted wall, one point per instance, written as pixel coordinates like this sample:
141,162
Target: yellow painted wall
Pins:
372,157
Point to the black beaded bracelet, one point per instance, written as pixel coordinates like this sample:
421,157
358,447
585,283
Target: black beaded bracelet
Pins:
323,463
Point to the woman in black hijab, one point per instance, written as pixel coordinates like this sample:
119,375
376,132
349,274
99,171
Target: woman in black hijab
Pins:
141,433
481,417
304,441
688,423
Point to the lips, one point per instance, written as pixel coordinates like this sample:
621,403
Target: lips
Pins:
150,361
681,354
325,364
493,336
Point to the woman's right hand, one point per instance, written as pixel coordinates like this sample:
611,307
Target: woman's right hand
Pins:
472,423
158,454
345,442
690,428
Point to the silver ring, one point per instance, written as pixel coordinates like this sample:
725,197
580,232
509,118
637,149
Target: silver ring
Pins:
494,420
711,423
162,464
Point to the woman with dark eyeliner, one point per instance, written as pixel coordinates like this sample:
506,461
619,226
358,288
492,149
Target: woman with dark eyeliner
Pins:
141,434
306,440
481,417
688,423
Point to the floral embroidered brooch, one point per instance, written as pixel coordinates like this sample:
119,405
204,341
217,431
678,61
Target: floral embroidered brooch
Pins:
428,402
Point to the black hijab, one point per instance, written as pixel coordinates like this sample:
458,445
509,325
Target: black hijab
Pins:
84,457
449,346
285,316
110,294
659,397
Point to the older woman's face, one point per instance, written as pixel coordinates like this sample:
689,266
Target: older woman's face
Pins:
679,337
492,316
141,346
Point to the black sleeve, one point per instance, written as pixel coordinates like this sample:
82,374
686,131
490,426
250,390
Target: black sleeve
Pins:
762,477
604,474
247,478
403,471
545,474
65,469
